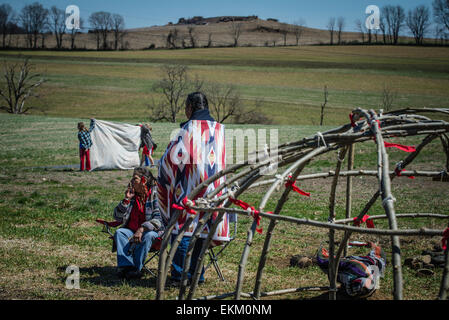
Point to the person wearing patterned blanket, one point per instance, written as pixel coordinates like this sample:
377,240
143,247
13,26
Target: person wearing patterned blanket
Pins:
196,153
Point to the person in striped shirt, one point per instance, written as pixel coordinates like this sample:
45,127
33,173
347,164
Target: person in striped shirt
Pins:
85,144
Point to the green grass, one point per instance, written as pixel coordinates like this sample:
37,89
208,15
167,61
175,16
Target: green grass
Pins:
47,218
117,85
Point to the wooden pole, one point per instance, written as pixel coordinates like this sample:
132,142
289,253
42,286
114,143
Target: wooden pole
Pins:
387,203
444,288
194,283
349,188
333,266
160,287
300,166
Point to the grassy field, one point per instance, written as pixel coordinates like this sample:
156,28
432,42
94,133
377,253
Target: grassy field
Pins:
47,218
47,215
290,80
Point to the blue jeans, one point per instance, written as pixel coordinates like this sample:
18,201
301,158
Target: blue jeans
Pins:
180,254
136,257
147,160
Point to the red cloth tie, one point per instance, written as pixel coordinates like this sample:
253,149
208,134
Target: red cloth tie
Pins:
400,147
396,145
184,206
398,173
369,223
291,183
351,117
445,238
254,213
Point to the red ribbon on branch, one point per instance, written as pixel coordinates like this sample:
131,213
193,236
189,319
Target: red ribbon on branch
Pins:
184,206
400,147
254,213
369,223
398,171
351,117
291,183
396,145
445,238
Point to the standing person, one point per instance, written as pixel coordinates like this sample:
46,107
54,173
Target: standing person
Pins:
85,144
141,224
147,144
196,153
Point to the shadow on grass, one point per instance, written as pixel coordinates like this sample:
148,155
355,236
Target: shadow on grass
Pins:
107,277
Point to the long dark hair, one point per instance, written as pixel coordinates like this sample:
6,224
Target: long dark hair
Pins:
197,100
81,126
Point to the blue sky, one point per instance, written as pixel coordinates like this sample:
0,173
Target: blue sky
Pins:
141,13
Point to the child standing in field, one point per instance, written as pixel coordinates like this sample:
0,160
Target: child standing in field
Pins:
85,144
148,145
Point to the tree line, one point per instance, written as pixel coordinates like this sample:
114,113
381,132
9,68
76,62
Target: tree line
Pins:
394,20
37,23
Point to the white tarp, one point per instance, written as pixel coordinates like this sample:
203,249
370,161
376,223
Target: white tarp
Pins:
114,146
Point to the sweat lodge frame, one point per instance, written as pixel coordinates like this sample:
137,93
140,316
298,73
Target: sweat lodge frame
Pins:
365,126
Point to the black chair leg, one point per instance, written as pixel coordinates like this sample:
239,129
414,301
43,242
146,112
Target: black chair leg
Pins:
214,261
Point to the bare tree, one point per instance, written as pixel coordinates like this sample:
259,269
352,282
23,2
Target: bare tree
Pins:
439,34
209,40
284,32
361,29
45,31
224,101
441,12
418,21
340,26
101,23
19,85
254,115
298,29
7,16
73,33
394,18
192,36
236,31
172,38
118,28
388,98
383,28
376,33
57,23
174,86
331,28
323,106
33,18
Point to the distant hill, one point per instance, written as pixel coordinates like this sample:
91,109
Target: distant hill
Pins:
208,32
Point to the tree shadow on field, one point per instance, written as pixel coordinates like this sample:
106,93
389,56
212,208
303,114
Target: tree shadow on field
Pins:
107,277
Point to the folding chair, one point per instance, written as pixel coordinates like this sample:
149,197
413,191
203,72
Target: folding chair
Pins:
214,256
153,252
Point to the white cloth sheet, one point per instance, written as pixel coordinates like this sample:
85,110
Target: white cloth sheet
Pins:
114,146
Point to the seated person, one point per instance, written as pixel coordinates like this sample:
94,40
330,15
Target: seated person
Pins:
141,224
357,274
